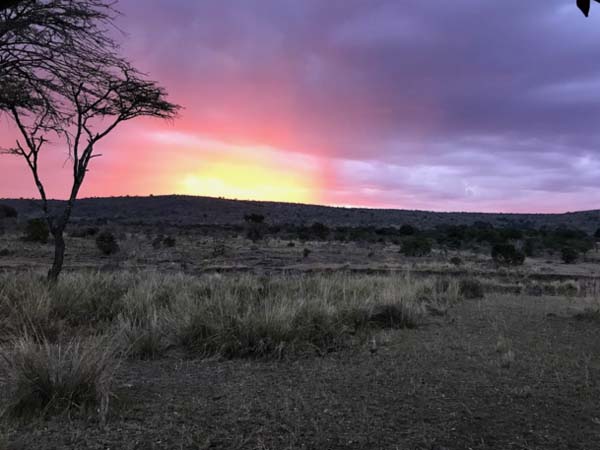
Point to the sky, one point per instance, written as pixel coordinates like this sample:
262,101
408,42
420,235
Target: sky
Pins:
462,105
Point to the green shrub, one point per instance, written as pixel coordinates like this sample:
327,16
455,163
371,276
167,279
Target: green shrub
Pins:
507,255
107,243
36,230
569,255
416,246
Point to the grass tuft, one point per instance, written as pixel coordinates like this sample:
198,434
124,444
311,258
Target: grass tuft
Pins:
49,378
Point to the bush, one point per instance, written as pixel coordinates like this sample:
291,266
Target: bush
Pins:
456,261
319,230
416,246
470,288
5,252
507,255
305,253
8,212
569,255
161,241
254,218
53,378
407,230
84,232
169,242
36,230
107,243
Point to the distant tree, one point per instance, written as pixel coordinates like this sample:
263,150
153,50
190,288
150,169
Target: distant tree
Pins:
61,77
597,234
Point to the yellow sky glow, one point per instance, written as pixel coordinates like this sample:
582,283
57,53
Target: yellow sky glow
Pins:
248,181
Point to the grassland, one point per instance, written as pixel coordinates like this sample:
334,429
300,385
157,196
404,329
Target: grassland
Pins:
222,343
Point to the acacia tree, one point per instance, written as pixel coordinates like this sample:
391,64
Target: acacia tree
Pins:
62,79
584,6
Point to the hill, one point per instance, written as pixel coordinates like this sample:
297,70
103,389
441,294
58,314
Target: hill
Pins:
189,210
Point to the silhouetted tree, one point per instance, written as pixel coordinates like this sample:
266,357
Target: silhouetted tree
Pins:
61,77
584,6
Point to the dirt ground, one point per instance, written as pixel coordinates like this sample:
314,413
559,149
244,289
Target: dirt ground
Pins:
444,385
506,372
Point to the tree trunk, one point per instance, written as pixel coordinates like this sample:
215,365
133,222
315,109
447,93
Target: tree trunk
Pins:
59,255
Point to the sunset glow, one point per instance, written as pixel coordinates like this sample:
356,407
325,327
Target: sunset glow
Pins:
346,102
245,180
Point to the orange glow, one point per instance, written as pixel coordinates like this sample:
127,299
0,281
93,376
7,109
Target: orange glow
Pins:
246,180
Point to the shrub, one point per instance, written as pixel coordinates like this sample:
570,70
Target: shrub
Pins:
305,253
219,249
407,230
169,242
470,288
36,230
319,230
416,246
52,378
392,316
569,255
456,261
84,232
5,252
144,338
8,212
161,241
107,243
507,255
254,218
157,242
530,247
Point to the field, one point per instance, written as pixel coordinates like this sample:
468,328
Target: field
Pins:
216,341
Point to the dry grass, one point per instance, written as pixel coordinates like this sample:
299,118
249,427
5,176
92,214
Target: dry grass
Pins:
231,316
46,377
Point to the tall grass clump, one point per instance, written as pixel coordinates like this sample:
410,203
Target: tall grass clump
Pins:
48,378
229,316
